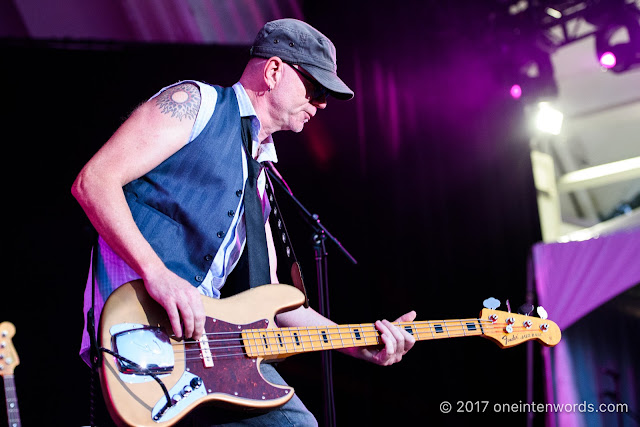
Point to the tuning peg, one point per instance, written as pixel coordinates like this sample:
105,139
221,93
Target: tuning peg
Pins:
508,306
491,303
542,312
526,309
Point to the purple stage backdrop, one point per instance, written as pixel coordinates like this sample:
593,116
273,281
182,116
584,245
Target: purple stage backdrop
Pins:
573,279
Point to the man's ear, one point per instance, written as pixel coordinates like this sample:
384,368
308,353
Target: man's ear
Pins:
273,71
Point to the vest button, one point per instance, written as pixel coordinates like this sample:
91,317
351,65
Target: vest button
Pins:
231,213
220,234
199,278
208,257
239,193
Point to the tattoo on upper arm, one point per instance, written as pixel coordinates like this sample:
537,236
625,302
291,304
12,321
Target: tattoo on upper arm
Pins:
181,101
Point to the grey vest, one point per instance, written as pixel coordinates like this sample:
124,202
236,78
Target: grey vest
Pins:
186,204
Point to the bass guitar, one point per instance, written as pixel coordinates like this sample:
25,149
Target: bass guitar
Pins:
151,379
8,361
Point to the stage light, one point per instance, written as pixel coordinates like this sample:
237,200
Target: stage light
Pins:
618,43
516,91
608,60
528,75
548,119
554,13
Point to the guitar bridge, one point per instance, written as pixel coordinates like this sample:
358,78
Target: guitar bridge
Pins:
147,346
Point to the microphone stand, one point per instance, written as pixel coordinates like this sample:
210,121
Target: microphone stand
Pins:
320,235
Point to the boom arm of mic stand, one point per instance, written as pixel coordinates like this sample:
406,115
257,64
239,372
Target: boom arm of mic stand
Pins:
312,219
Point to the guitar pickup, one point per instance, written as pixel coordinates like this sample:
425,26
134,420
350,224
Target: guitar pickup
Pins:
147,346
205,351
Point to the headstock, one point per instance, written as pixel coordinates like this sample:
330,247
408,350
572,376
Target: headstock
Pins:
8,356
510,329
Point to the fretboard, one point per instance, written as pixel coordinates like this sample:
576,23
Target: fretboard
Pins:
13,414
286,341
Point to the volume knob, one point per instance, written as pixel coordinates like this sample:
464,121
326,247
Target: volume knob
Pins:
195,382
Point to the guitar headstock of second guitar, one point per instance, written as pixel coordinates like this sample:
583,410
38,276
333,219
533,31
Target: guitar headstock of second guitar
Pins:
510,329
8,355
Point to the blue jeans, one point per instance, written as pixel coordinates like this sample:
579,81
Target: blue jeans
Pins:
293,413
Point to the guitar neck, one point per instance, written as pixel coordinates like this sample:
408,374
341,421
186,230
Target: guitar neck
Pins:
11,397
283,342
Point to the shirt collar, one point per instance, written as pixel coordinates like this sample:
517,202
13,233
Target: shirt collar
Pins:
262,152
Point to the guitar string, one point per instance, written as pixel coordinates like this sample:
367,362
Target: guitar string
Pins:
341,328
318,344
308,343
261,335
367,332
287,333
244,353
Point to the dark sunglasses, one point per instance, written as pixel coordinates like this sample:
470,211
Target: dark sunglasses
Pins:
318,91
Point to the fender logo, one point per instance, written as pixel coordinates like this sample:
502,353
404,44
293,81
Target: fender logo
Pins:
508,339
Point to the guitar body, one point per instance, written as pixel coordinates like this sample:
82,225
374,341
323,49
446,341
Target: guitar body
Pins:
133,325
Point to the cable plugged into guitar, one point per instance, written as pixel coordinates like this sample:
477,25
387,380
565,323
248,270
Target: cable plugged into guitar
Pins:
189,389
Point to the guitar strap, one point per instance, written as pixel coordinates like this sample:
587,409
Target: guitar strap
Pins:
94,353
91,318
256,240
284,248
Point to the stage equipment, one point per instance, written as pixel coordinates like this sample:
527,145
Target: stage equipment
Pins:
548,119
618,44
